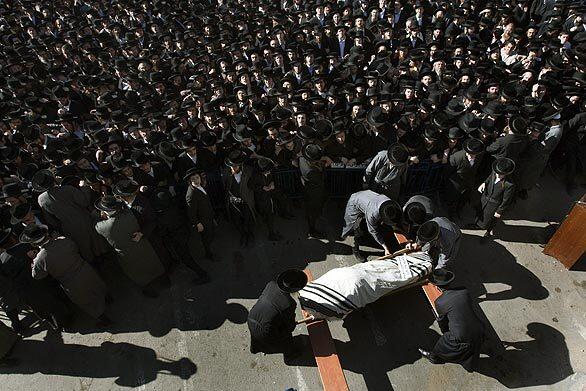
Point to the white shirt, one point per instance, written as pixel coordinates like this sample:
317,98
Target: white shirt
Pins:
238,176
193,158
497,180
470,160
201,189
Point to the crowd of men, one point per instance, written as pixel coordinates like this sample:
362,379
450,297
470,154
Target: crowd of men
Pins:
113,113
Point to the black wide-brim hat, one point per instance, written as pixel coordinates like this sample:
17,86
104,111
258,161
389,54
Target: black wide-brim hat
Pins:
307,132
390,211
291,280
473,146
441,277
428,231
33,234
264,164
108,203
416,213
503,166
375,117
192,171
235,158
42,181
312,152
324,129
398,155
125,187
18,212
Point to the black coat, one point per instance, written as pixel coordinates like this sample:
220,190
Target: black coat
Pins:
199,208
461,176
495,198
271,320
510,146
463,330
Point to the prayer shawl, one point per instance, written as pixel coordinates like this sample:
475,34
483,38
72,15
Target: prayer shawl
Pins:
343,290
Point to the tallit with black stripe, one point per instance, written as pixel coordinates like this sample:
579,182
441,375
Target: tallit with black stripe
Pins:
344,289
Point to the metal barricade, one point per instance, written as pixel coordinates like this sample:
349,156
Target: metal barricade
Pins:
423,178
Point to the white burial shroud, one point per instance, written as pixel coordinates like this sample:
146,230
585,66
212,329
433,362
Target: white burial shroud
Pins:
344,289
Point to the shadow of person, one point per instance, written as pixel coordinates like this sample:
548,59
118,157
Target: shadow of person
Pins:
540,361
374,348
524,233
131,365
494,264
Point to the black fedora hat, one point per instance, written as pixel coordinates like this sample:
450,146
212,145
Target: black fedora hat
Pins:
312,152
18,212
441,277
503,166
33,234
192,171
125,187
469,122
208,139
108,203
42,181
291,280
398,155
324,129
518,125
473,146
307,132
390,212
376,117
235,158
427,232
162,200
415,213
264,164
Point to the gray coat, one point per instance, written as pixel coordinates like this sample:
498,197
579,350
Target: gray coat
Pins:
66,208
536,156
383,177
137,259
449,241
365,204
60,259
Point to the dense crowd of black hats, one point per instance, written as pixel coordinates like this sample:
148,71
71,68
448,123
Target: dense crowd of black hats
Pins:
79,80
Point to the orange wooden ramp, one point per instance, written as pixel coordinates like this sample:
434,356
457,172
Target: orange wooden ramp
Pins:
324,350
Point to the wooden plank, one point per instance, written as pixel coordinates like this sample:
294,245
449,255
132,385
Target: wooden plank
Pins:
568,244
431,291
328,364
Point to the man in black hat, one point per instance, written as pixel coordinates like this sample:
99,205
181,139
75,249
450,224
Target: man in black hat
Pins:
463,331
17,286
239,195
387,172
497,195
461,174
513,143
201,215
271,320
268,200
440,237
370,214
135,253
67,209
174,228
417,210
128,191
312,169
60,258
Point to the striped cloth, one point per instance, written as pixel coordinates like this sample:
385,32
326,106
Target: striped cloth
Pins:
342,290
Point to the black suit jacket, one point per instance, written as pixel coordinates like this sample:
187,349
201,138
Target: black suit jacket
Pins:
456,315
199,208
510,146
145,215
184,163
272,319
497,197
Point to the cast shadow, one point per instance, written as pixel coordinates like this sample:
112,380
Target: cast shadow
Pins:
131,365
540,361
525,234
493,263
374,348
240,273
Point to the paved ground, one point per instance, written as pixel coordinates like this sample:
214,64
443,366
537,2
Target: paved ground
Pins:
195,338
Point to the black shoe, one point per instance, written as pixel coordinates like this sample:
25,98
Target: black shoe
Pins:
150,293
472,226
17,326
200,280
429,356
314,233
522,194
487,235
358,255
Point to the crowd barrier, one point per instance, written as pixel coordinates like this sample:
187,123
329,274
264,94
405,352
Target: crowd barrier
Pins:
423,178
